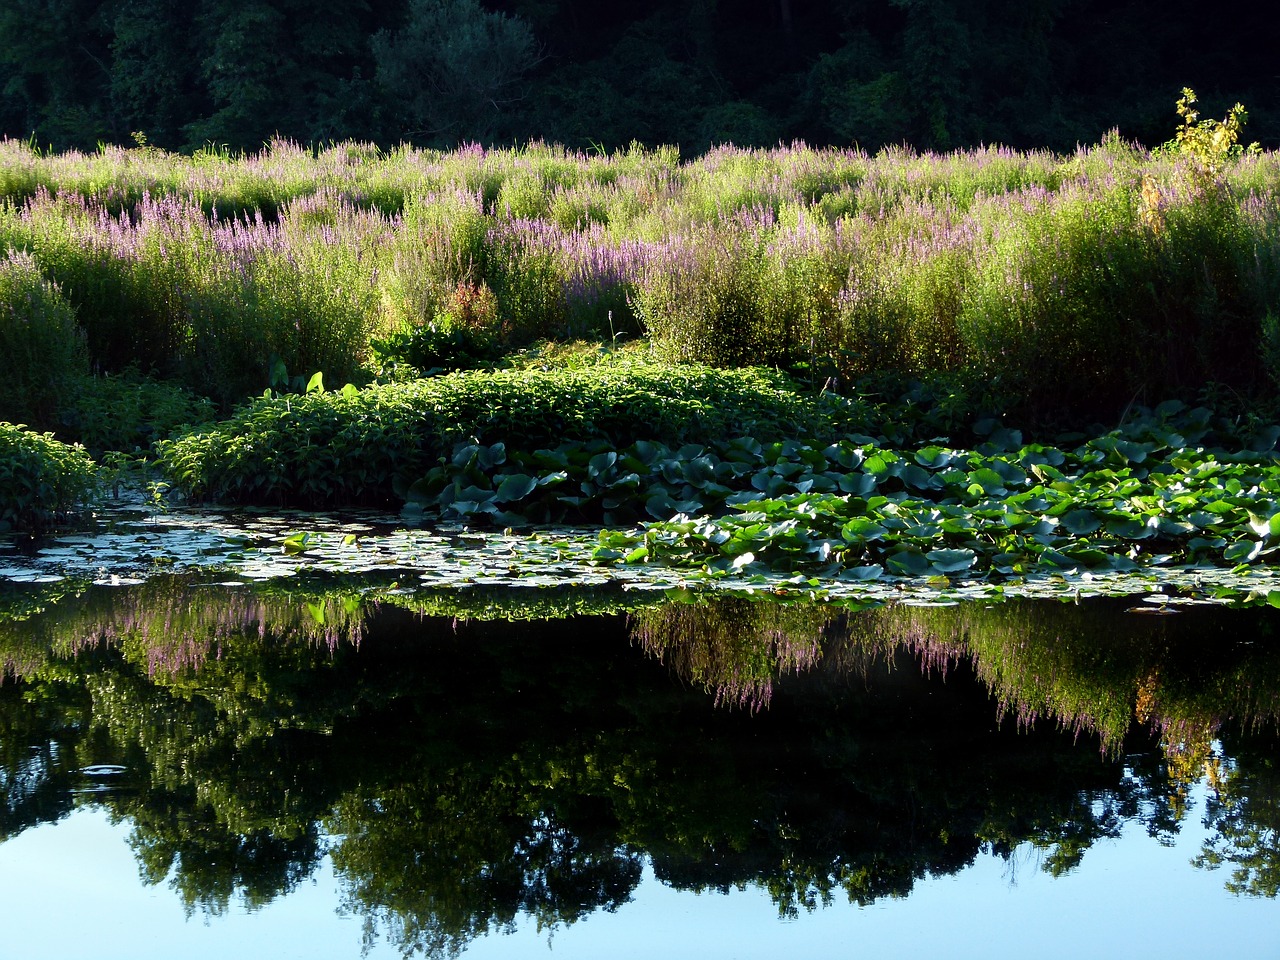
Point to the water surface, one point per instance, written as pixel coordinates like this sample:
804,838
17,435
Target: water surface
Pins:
201,770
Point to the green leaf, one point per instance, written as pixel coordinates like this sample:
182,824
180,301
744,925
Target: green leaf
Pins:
660,507
515,486
699,472
1081,522
862,530
859,484
494,456
907,564
951,561
934,457
871,571
1243,551
316,383
987,480
1128,528
297,543
601,462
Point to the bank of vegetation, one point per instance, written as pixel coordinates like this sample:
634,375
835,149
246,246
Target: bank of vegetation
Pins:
540,335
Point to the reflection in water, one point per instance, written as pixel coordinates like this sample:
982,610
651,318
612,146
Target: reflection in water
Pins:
463,774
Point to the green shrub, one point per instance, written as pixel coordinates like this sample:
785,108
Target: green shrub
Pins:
128,411
43,483
42,350
354,446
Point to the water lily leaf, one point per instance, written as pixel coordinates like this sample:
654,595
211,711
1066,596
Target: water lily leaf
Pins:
859,484
699,471
1080,522
951,561
515,486
920,479
1128,528
298,543
878,464
601,462
1089,556
1265,439
660,507
647,452
1002,438
743,559
986,480
476,493
1167,527
814,458
934,457
1133,452
467,508
845,454
907,564
862,530
1243,551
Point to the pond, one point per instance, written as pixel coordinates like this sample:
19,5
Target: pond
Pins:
202,761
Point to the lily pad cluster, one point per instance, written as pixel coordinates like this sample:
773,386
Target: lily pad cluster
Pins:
861,511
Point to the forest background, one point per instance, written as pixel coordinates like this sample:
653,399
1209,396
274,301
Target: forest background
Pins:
937,74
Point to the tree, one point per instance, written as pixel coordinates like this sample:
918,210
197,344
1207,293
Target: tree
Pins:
53,70
452,71
279,67
154,69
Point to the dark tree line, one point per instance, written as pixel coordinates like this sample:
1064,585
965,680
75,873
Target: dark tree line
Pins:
938,74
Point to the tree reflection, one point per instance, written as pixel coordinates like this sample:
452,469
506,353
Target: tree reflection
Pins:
469,775
1244,811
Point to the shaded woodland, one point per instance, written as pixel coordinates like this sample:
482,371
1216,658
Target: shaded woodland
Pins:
938,74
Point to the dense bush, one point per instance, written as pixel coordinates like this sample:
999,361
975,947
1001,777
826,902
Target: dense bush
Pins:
353,446
127,411
43,483
42,350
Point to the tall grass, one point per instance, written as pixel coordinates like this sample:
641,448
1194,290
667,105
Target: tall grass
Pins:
1078,281
43,347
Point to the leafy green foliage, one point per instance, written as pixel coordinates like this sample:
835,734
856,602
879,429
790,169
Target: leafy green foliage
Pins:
43,483
1119,502
431,349
127,412
42,347
1209,142
353,446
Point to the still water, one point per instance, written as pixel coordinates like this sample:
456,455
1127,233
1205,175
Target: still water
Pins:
204,771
